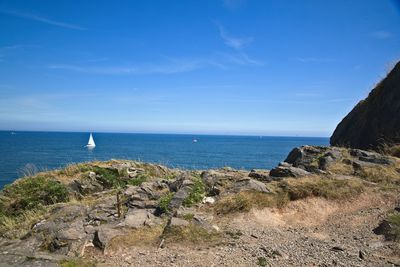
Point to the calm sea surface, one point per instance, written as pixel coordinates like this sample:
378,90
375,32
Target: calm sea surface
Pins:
50,150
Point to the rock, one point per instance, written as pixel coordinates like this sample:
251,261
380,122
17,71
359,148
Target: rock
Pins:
260,175
281,171
248,184
325,162
180,195
87,185
305,157
385,229
104,235
375,120
208,200
137,218
177,222
371,157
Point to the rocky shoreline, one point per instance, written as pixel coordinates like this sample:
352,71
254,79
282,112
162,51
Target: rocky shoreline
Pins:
126,213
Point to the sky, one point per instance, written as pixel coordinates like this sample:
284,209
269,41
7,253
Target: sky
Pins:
255,67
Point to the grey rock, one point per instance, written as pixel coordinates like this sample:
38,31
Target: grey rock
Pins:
248,184
137,218
103,235
177,222
287,172
260,175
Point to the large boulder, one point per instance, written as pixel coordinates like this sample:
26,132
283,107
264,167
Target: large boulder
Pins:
375,120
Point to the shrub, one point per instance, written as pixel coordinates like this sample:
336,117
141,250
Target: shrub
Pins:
31,193
196,194
139,179
164,201
262,261
109,178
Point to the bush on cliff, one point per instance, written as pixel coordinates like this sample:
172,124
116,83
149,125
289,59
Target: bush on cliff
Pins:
31,193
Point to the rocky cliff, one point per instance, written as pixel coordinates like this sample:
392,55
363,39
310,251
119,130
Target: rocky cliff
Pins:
375,120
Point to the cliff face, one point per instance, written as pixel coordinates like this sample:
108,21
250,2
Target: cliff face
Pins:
375,120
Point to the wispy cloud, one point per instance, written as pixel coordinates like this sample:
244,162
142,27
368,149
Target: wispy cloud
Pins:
167,68
34,17
232,4
382,34
232,41
314,59
241,58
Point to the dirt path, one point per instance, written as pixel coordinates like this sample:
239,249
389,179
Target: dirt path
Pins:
310,232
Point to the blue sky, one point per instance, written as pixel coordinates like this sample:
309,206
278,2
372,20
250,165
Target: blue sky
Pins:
212,67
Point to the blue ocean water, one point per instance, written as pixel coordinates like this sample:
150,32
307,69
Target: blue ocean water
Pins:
50,150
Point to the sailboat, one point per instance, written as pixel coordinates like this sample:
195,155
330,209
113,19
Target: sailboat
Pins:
91,143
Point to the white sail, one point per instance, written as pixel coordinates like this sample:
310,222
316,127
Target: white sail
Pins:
91,141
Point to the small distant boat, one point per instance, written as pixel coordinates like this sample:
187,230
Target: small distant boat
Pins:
12,133
91,143
194,140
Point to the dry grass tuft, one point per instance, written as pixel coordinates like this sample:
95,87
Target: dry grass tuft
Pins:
144,236
192,234
385,175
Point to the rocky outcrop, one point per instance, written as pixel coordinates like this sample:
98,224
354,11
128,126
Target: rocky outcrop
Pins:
375,120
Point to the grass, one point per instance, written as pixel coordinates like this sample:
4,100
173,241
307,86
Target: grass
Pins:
76,263
139,179
18,226
331,189
192,234
196,194
290,190
145,236
384,175
394,221
164,201
31,193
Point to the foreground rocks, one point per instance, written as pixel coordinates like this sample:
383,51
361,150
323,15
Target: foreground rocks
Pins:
132,210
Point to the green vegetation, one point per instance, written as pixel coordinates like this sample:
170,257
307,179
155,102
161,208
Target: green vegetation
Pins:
30,194
76,263
262,261
394,221
188,216
109,178
164,201
25,202
196,194
139,179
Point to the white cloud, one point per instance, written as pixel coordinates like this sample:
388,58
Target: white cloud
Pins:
382,34
169,68
38,18
231,41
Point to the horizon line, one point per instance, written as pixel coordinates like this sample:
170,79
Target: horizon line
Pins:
166,133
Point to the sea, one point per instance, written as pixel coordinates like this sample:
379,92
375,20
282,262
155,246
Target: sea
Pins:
52,150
